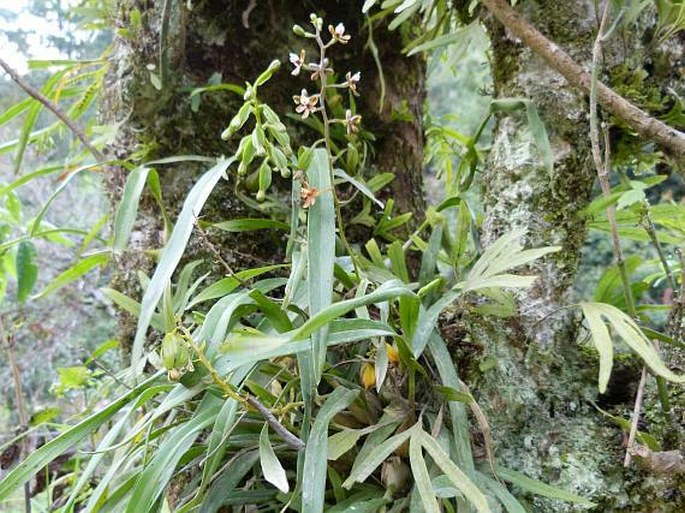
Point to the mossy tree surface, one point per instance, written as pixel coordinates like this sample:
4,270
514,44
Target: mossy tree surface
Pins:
539,388
223,37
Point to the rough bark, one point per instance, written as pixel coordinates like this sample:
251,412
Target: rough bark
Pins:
238,42
539,391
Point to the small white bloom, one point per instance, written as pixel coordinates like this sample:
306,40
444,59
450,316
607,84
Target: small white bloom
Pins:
338,33
306,104
297,61
351,81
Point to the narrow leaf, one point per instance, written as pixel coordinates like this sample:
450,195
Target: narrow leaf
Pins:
272,469
172,253
316,453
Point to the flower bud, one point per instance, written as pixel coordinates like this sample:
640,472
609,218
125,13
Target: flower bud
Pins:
367,375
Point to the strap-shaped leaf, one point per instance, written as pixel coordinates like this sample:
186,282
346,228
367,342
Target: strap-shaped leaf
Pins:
460,480
422,479
631,334
172,253
320,253
603,343
313,476
128,207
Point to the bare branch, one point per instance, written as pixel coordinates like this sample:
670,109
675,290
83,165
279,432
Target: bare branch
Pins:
670,139
31,91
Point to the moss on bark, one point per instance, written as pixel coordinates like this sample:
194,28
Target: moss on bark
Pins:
220,36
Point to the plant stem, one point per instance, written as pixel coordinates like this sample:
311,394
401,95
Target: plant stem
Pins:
19,403
327,142
248,400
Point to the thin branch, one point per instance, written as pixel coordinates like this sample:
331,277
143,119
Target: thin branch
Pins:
670,139
37,95
8,342
603,167
636,416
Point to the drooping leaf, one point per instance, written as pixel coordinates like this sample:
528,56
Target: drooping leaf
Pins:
630,333
74,273
272,469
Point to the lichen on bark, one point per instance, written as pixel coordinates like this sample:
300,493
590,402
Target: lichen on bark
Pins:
538,386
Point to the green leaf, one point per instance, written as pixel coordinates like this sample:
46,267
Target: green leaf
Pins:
36,225
631,334
460,36
313,476
320,255
447,371
364,466
453,473
341,442
39,458
361,187
227,285
539,488
128,208
159,471
73,378
422,479
250,225
27,269
537,128
603,343
504,254
272,469
510,503
172,253
73,273
387,291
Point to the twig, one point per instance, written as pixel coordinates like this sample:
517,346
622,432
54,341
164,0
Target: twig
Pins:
645,125
603,170
246,13
19,403
31,91
603,166
204,238
290,439
636,415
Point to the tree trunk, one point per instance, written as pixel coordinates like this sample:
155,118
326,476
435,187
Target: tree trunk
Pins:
539,390
238,39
